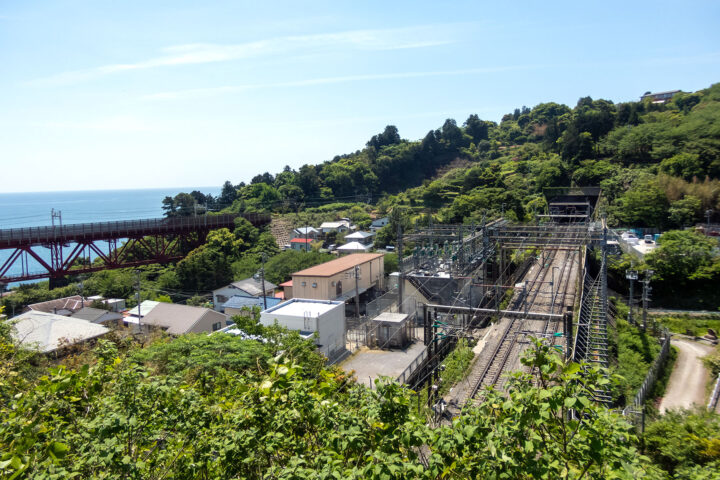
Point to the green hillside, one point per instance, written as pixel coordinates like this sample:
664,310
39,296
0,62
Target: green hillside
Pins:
658,165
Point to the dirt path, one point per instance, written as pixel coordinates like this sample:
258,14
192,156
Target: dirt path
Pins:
689,377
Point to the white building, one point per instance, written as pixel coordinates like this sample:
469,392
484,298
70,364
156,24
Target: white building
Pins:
354,247
379,223
306,232
342,225
366,238
326,317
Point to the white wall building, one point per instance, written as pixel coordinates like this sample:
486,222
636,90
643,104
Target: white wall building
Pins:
325,317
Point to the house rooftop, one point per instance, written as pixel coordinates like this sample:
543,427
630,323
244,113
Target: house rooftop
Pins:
304,230
177,319
301,307
240,301
251,286
354,247
301,240
339,265
70,304
91,314
49,331
359,235
145,308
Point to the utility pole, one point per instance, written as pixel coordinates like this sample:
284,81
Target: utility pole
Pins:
357,291
646,296
631,275
263,256
708,214
137,297
81,286
401,280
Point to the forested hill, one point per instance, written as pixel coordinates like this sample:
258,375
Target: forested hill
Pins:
649,158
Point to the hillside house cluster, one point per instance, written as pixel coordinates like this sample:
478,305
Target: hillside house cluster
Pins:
355,241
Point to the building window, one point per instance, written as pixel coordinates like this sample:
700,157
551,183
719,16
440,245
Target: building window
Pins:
333,284
216,326
314,285
303,284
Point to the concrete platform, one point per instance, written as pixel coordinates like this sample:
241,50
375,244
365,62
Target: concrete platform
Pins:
371,364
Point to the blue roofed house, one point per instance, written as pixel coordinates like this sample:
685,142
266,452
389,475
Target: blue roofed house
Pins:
241,304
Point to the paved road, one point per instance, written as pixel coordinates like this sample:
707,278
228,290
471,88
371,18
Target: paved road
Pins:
689,377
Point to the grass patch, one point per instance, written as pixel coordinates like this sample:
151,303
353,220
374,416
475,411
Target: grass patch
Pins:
457,365
689,325
636,352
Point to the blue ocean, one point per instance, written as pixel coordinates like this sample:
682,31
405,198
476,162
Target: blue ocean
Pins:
18,210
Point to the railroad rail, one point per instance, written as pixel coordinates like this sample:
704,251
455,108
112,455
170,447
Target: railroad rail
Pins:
507,347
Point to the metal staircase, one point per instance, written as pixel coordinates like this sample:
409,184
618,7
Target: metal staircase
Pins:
591,337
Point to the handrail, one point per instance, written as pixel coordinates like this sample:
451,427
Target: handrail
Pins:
115,229
410,369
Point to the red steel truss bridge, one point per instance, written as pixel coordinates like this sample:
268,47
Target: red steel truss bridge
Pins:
119,244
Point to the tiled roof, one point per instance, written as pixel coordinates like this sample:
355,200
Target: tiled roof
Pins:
67,303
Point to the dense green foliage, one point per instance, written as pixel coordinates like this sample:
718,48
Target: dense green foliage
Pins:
686,443
182,410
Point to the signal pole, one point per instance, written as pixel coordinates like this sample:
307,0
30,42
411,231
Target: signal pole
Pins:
646,296
631,275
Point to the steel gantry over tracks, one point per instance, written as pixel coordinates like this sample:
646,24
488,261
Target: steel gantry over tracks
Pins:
72,247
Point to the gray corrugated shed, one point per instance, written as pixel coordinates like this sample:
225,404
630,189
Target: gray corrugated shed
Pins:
49,331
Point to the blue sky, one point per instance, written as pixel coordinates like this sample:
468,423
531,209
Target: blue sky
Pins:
108,94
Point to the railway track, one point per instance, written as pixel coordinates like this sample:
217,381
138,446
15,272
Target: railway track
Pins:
536,299
491,373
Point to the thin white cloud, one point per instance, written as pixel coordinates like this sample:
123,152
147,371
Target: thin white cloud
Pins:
120,124
202,53
204,92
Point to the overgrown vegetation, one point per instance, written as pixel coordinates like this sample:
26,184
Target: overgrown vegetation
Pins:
165,413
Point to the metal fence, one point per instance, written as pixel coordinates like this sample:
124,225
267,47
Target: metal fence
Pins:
712,404
405,375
